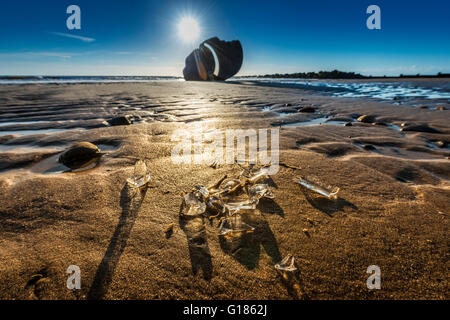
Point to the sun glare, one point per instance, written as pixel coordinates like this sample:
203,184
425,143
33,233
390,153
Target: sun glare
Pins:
188,29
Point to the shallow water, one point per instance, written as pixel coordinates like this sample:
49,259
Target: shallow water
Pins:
51,165
385,90
18,148
13,123
314,122
37,131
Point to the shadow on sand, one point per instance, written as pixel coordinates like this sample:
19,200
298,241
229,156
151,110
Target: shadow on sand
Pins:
246,249
327,206
130,201
270,206
194,228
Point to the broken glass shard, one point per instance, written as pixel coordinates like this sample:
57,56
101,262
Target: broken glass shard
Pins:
245,173
260,191
330,194
192,206
230,186
260,174
215,204
287,264
249,204
215,187
140,177
202,191
234,226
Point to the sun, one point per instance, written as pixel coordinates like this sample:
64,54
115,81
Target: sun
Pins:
188,29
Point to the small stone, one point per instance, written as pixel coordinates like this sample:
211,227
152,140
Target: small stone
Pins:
441,144
169,230
369,147
440,108
80,155
306,232
366,118
307,110
121,120
348,124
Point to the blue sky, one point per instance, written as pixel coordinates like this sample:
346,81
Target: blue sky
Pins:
122,37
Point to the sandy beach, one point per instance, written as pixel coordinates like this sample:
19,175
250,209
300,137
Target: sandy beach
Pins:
392,211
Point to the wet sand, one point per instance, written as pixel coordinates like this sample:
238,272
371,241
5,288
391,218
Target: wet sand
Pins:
392,212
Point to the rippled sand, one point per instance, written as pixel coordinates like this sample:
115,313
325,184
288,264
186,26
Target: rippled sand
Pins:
392,211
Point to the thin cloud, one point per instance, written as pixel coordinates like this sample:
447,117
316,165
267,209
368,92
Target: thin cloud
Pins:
56,54
31,54
68,35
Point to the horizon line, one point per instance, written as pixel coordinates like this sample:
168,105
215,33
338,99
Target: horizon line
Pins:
236,76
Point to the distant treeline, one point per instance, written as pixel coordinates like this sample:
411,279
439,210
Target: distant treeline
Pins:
336,74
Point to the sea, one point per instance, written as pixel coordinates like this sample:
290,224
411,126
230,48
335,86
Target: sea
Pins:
408,91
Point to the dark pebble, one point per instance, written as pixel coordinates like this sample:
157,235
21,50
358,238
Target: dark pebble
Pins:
369,147
307,110
366,118
121,121
80,155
